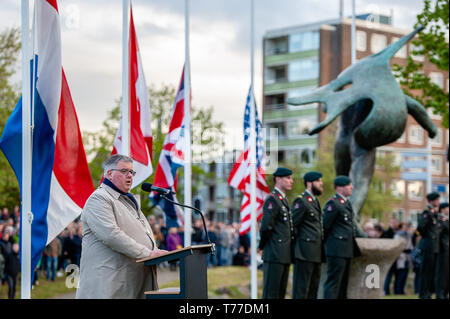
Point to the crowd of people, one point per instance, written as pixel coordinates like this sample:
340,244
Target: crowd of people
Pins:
65,249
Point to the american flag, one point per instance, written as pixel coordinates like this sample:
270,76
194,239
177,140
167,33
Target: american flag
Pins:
170,159
240,174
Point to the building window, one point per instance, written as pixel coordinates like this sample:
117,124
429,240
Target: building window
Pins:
278,127
436,164
437,140
402,139
413,216
303,70
377,42
415,190
304,41
412,49
276,46
415,135
437,78
301,126
275,74
398,188
402,53
361,40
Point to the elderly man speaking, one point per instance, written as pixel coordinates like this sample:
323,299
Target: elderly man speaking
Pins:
115,235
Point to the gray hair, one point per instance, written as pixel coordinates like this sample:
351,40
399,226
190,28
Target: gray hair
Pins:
114,160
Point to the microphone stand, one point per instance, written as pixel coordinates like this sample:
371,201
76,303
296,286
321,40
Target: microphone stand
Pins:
213,247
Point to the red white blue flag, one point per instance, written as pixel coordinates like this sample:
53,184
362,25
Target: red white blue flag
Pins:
171,158
60,181
240,174
141,139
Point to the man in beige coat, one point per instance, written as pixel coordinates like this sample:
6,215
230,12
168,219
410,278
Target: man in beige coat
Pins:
115,235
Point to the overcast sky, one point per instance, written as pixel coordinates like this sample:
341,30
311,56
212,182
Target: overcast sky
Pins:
219,42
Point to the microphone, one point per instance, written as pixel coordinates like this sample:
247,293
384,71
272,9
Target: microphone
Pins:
147,187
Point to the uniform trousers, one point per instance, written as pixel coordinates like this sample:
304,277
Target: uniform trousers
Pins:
427,272
442,276
275,280
338,273
306,279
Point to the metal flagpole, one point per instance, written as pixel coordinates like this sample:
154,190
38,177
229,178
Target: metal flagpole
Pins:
187,132
27,216
353,34
125,109
253,265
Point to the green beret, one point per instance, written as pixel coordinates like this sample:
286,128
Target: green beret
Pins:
282,172
312,176
342,180
443,205
433,196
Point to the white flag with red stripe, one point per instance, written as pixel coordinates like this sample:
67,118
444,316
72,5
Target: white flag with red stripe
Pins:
141,139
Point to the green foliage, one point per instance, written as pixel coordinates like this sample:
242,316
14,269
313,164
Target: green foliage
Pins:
432,44
9,95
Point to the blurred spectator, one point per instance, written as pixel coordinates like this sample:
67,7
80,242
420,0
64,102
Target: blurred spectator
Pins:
164,231
404,261
53,251
212,259
241,258
389,233
416,267
173,242
11,265
5,214
76,245
198,233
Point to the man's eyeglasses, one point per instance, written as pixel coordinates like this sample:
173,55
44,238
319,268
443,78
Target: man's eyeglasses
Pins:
124,171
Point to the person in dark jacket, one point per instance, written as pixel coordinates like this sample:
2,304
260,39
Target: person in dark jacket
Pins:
340,245
429,244
442,269
277,235
12,264
308,249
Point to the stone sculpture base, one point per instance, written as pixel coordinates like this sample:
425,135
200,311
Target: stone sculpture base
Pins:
369,270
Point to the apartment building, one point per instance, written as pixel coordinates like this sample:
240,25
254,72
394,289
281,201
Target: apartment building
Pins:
300,58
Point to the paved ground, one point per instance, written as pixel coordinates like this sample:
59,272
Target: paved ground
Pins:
164,275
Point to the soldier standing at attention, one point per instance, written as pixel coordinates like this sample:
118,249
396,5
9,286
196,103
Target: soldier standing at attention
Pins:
340,244
441,283
428,228
277,234
308,250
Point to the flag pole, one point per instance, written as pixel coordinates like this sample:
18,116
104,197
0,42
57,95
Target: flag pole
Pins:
253,266
187,130
125,109
27,216
353,31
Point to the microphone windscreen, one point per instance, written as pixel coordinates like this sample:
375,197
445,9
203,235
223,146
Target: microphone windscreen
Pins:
146,187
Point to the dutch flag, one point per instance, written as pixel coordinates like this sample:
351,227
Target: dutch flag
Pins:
60,181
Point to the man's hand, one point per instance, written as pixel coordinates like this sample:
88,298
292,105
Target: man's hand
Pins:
158,252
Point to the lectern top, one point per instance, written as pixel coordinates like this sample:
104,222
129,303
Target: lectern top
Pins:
174,252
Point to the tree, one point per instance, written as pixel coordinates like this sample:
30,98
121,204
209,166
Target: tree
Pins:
9,95
433,45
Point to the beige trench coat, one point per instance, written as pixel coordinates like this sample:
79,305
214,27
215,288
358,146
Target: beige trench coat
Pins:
115,235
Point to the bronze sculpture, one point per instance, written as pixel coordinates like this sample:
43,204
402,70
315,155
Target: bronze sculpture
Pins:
374,112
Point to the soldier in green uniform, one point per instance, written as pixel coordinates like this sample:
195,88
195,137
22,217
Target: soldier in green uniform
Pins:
442,269
308,249
277,235
340,244
429,244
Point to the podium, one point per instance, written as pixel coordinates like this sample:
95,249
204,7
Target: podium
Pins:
193,277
